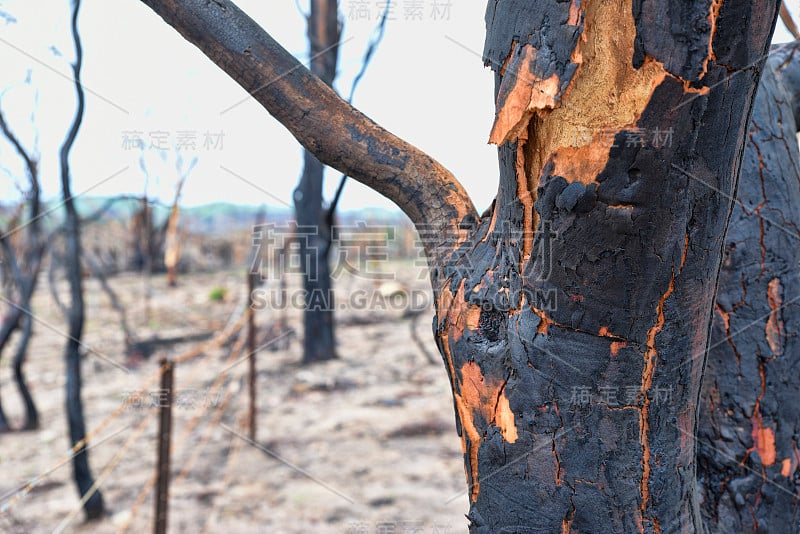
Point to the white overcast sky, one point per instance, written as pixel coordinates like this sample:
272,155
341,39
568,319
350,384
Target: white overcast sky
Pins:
426,84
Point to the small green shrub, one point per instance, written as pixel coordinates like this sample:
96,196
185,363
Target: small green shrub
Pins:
217,294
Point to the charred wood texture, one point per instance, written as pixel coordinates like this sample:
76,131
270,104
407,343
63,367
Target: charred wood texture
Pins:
749,430
570,349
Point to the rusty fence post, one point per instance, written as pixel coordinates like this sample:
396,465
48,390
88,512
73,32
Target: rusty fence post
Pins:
164,441
251,357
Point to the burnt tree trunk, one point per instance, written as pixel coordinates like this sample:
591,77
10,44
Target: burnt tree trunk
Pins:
319,343
569,315
749,429
25,274
172,240
571,350
19,317
93,507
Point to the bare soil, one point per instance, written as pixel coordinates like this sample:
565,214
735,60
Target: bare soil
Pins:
365,443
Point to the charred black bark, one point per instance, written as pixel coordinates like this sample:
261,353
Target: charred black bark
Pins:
749,429
319,342
570,351
31,414
315,244
94,507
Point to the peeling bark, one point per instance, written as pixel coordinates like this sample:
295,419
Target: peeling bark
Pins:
641,278
749,430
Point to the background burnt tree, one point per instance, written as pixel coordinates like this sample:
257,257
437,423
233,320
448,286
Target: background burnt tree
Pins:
145,240
143,237
324,33
172,241
319,342
93,507
749,434
597,265
23,269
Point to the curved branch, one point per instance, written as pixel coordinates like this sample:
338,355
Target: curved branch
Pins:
786,17
375,40
107,205
31,163
335,132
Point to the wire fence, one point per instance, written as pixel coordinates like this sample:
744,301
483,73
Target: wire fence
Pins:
13,497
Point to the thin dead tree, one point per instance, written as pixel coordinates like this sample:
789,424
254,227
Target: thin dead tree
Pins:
93,507
25,272
315,220
172,242
594,271
319,343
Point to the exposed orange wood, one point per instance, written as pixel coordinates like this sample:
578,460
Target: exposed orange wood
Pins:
469,448
529,93
763,437
583,164
527,196
685,251
786,467
774,327
713,14
460,314
542,328
481,396
487,397
763,441
504,418
726,317
647,381
574,13
616,345
605,96
514,45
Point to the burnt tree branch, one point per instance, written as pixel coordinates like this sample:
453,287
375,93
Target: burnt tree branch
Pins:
336,133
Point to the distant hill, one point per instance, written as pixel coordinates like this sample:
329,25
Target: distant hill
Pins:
211,219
